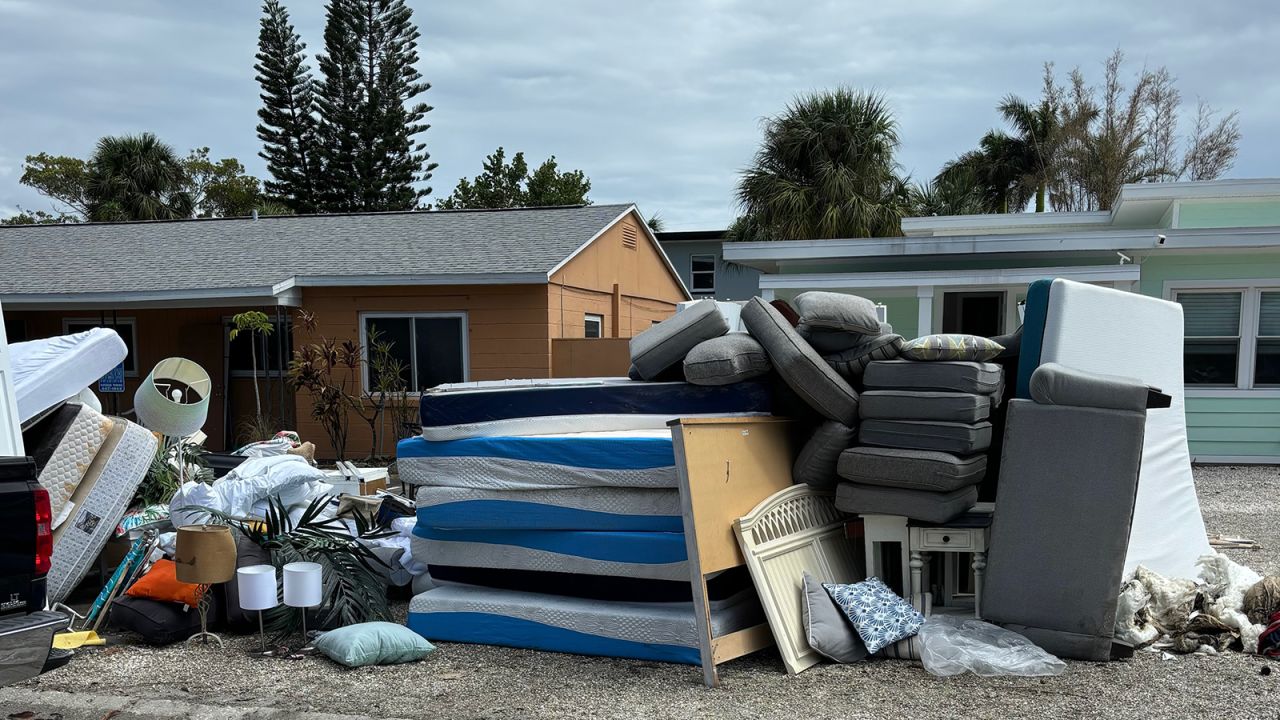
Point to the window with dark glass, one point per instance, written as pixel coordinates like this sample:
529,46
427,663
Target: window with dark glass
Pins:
273,350
593,326
430,350
702,273
1211,337
1266,368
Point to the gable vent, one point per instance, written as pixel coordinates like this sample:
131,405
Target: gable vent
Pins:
629,237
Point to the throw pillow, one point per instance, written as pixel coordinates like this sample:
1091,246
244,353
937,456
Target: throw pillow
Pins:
727,359
852,362
909,649
825,626
967,348
816,463
373,643
161,583
665,344
880,616
837,311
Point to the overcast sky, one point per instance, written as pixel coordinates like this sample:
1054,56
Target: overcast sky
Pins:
659,102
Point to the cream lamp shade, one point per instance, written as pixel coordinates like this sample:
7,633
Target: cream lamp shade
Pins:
302,584
205,555
174,399
257,587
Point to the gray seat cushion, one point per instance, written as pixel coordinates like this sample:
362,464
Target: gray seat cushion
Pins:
826,628
923,505
726,359
1054,384
949,437
666,343
801,368
952,375
851,363
816,463
827,341
911,469
1068,479
923,405
836,311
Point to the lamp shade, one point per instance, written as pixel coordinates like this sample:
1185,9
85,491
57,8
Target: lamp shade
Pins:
205,555
174,399
257,587
302,584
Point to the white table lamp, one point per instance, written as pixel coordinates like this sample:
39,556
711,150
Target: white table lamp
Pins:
174,399
302,589
258,592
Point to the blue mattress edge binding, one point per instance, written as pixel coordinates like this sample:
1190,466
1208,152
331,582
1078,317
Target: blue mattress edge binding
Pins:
1034,319
491,629
597,452
649,548
516,514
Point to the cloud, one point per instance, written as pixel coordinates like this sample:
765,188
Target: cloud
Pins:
658,102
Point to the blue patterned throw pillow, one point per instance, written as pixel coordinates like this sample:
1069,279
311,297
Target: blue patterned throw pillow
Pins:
880,616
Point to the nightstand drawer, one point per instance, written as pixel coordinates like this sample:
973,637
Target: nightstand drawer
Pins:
948,539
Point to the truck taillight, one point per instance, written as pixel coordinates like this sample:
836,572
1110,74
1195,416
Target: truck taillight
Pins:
44,532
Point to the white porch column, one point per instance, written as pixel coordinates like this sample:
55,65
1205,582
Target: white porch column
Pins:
766,294
924,298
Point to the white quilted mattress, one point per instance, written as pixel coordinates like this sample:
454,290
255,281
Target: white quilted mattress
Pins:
71,459
50,370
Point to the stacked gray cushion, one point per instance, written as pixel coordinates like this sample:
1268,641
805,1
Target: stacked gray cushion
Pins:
923,405
911,469
933,507
726,359
948,375
851,363
950,437
827,341
800,367
836,311
816,464
667,343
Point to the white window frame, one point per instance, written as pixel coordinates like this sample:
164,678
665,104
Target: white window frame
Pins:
1250,298
132,322
715,267
587,318
413,348
262,372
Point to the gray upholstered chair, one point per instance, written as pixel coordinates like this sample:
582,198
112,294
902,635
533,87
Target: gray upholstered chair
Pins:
1068,479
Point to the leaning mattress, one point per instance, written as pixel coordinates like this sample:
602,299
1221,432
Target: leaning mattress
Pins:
50,370
632,458
648,555
601,508
541,407
99,501
662,631
64,445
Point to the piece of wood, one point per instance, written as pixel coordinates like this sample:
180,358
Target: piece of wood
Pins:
742,642
725,466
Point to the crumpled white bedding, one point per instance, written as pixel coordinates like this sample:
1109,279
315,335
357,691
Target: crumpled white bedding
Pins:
245,491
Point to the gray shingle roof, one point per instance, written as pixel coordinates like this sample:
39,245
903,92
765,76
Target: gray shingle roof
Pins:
246,253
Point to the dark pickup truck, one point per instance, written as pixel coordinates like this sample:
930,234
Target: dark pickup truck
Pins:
26,547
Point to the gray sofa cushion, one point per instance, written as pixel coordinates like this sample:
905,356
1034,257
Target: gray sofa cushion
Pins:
827,341
837,311
949,437
826,628
911,469
727,359
1054,384
816,463
952,375
800,367
923,405
666,343
932,507
1068,479
851,363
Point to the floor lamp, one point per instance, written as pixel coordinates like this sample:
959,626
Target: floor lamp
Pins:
302,587
174,401
257,585
205,555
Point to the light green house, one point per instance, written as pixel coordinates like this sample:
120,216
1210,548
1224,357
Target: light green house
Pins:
1213,246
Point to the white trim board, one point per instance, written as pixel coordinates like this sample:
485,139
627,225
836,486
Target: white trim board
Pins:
1235,459
950,278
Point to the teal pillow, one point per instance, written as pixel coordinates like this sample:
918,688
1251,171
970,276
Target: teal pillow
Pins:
373,643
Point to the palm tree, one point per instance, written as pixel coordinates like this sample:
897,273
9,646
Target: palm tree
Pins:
824,170
998,169
1038,132
137,177
955,194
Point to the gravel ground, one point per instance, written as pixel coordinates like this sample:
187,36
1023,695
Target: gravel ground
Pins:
477,681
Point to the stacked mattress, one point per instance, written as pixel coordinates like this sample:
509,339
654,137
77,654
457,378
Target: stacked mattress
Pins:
529,492
922,438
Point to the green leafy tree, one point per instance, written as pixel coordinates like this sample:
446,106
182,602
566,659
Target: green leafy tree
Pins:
997,171
60,178
137,177
503,184
287,128
255,323
368,115
825,169
221,188
38,217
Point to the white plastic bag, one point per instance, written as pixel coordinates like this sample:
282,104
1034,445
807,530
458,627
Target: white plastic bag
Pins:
952,645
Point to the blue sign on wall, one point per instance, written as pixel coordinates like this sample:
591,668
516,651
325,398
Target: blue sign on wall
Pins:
113,381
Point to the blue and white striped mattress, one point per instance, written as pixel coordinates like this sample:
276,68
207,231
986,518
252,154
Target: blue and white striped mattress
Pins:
634,458
539,407
602,508
662,631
